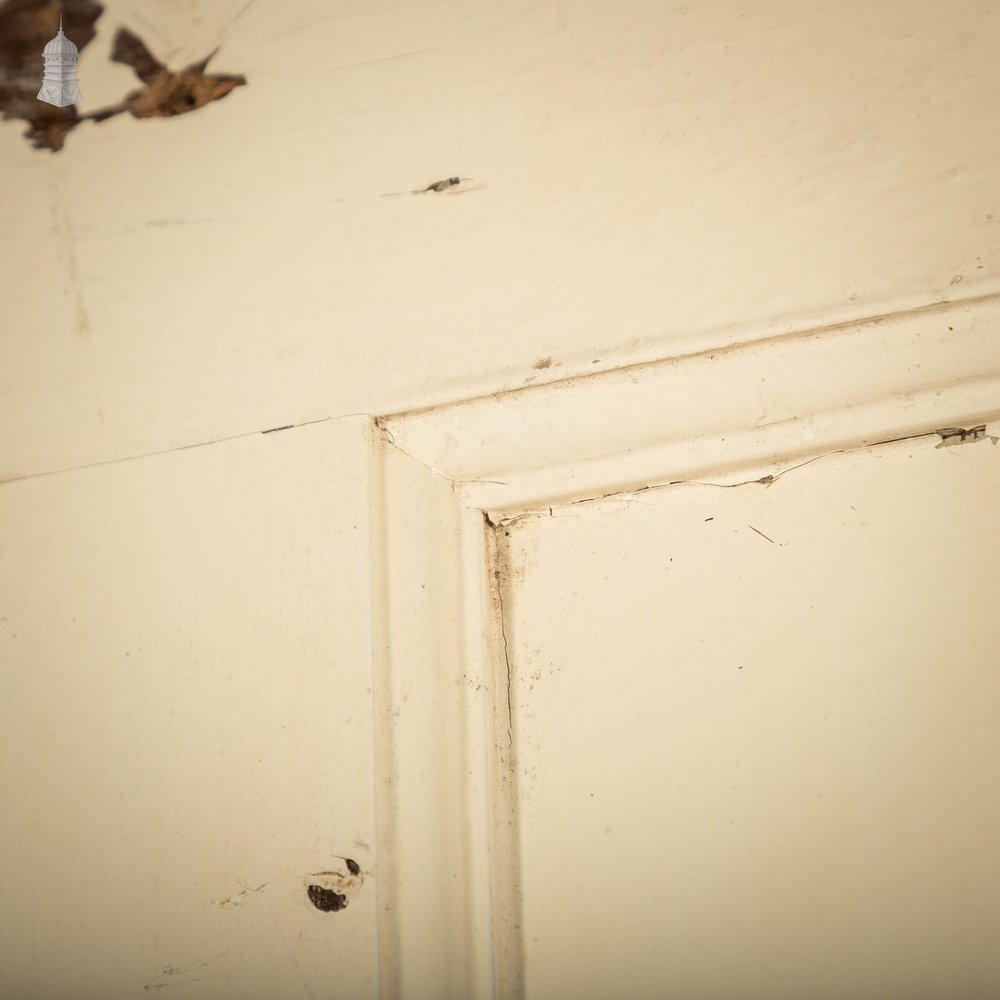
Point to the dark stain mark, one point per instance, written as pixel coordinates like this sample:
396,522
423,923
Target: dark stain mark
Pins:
326,900
352,866
271,430
25,28
961,435
709,518
543,363
441,185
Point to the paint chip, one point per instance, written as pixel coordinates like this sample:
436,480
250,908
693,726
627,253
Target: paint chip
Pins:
331,891
961,435
441,185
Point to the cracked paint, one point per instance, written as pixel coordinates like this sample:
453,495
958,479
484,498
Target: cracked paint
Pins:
949,436
501,616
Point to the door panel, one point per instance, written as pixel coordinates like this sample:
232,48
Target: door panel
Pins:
755,733
187,738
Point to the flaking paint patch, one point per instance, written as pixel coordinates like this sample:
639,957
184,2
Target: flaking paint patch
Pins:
963,435
331,891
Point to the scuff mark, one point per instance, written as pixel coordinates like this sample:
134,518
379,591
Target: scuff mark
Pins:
165,981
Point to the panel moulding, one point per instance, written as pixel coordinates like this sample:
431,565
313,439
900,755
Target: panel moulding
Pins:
432,686
445,477
757,406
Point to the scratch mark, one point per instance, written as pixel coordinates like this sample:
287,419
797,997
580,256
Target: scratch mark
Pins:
238,898
164,983
761,533
170,451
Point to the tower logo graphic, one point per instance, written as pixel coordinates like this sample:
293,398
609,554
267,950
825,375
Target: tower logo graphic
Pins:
60,85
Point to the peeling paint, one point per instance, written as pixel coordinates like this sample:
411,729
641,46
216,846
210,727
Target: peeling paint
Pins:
331,891
962,435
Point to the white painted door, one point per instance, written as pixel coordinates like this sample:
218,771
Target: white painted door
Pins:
726,731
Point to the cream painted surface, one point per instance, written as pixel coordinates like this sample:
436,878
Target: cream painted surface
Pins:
762,766
645,179
684,199
433,703
188,730
742,413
